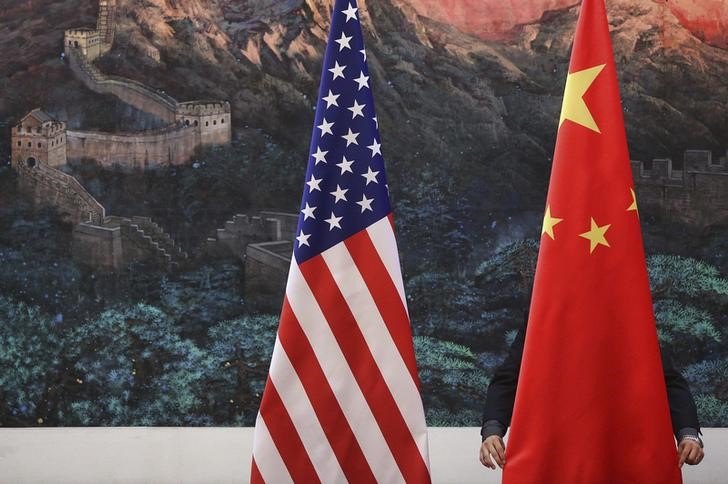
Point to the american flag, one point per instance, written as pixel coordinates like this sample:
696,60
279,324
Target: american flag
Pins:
342,401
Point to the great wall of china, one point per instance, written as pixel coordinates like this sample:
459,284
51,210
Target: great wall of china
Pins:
42,146
695,194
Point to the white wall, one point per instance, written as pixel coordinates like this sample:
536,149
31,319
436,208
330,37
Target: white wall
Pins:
222,455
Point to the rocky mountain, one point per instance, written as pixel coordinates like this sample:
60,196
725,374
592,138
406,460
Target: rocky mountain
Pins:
473,115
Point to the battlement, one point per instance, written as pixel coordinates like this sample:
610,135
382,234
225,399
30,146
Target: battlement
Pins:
203,108
697,194
703,161
82,32
243,230
87,41
695,162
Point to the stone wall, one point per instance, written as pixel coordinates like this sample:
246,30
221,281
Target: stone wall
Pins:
697,194
119,241
243,230
48,186
266,271
106,24
131,92
98,246
149,149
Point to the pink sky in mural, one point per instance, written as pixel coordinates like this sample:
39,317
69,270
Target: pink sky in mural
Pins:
494,19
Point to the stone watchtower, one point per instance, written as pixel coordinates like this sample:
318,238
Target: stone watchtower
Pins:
92,43
87,41
210,118
38,138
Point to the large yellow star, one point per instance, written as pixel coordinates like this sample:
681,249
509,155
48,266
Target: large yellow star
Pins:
549,223
633,207
574,108
596,235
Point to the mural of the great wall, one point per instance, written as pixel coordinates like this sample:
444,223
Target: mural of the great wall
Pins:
152,157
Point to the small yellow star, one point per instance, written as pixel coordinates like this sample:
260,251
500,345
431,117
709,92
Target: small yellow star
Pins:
574,108
549,223
596,235
633,207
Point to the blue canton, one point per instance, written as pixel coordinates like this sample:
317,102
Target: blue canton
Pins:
346,189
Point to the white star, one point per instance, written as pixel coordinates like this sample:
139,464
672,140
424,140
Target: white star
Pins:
338,71
357,109
334,222
313,184
376,148
325,128
320,156
376,121
364,53
308,212
366,204
345,166
371,176
303,239
362,80
350,13
331,99
339,194
343,42
351,138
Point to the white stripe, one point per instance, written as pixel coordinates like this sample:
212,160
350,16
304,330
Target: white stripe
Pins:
382,236
304,418
340,378
384,350
269,461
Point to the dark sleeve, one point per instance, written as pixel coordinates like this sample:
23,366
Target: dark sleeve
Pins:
683,412
501,393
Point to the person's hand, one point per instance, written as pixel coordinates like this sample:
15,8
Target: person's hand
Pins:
690,452
493,446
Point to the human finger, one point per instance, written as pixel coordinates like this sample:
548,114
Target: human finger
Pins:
683,452
693,455
501,450
485,457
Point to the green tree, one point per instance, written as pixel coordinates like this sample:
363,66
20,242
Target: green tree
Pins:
709,382
30,348
130,366
452,382
240,352
198,298
690,299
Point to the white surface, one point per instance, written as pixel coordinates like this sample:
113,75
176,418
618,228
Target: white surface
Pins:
222,455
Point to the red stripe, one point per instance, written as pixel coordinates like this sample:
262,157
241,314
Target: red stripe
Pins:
322,398
285,437
365,370
255,476
385,294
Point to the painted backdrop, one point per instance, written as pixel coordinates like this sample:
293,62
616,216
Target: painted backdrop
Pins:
152,160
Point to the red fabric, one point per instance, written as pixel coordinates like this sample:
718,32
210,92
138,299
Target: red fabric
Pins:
591,405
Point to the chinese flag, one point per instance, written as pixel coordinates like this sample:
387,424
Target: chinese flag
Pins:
591,405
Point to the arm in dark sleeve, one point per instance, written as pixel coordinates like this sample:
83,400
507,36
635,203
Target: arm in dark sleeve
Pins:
683,412
502,390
